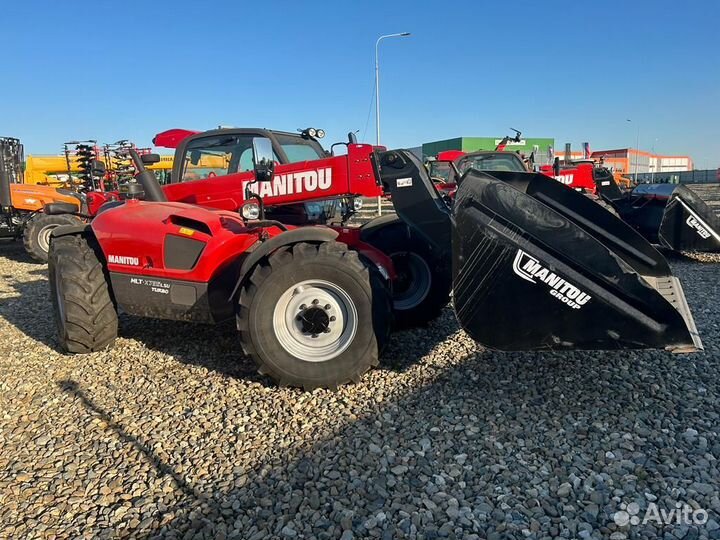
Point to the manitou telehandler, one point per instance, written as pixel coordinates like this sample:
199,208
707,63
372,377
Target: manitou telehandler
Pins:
533,265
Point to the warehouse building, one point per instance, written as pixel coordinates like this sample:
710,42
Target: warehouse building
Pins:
631,161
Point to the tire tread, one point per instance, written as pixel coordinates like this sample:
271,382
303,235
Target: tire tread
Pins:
91,321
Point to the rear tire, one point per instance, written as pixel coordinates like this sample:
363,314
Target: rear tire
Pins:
36,236
314,316
422,288
85,313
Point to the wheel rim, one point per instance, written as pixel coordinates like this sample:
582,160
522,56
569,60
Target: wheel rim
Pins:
315,320
44,237
414,280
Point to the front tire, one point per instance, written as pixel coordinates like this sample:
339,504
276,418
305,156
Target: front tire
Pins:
85,314
314,316
36,236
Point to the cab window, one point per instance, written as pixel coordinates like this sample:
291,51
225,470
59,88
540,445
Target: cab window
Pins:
218,155
492,162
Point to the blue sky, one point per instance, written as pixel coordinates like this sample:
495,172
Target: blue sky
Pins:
475,68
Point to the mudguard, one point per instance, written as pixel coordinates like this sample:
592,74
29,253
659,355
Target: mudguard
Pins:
538,266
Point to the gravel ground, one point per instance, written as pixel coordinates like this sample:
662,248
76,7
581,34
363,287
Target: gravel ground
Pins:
171,434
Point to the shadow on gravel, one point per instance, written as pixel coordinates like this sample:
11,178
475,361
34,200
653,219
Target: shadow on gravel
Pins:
15,251
71,387
28,305
216,348
395,357
481,434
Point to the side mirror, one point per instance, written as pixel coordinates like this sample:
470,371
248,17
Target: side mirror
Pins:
149,159
263,159
195,156
352,139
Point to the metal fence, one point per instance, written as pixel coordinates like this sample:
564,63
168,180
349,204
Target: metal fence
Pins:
708,176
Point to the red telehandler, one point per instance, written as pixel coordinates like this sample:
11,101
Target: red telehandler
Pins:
314,304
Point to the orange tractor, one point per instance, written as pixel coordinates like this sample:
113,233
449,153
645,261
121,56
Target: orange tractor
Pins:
21,205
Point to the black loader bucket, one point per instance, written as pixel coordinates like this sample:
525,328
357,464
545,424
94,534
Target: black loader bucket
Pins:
673,216
538,266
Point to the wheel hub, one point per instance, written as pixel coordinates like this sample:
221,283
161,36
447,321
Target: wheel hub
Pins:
44,237
414,280
315,320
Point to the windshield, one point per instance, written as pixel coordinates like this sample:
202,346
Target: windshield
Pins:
440,170
299,149
492,162
217,156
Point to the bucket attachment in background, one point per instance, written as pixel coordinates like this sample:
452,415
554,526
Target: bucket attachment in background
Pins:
673,216
538,266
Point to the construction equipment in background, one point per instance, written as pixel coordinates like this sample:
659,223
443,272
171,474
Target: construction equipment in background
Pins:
670,215
533,265
79,183
84,153
118,164
623,182
53,170
21,205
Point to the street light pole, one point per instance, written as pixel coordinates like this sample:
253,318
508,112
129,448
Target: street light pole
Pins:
637,145
655,166
377,94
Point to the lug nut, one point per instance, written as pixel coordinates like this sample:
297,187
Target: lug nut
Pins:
327,330
315,302
303,306
314,335
327,307
332,318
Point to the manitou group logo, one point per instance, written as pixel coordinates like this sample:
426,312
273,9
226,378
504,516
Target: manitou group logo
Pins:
695,224
293,183
530,269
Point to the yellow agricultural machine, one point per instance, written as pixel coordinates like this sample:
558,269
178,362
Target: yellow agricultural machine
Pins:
53,171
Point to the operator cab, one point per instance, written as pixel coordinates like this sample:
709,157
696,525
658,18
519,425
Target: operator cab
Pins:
228,151
490,161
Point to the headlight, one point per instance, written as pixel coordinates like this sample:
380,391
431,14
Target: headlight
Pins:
312,132
320,133
357,203
250,210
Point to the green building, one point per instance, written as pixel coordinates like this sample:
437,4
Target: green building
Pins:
473,144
